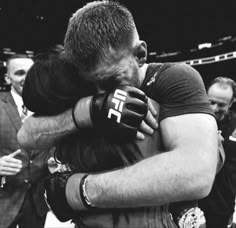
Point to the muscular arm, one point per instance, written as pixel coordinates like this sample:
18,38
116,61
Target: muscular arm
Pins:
185,172
44,132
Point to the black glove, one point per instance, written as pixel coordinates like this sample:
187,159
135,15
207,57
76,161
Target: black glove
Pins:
55,185
119,113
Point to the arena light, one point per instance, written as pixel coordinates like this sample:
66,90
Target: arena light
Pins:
211,59
204,45
29,52
152,53
9,52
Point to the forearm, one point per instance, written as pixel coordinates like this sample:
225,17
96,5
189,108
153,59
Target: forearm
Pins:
164,183
158,180
44,132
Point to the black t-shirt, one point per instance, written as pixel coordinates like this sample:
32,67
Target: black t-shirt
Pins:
178,88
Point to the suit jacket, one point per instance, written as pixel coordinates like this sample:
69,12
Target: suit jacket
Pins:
30,179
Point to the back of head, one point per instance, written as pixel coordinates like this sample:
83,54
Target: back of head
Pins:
95,29
52,85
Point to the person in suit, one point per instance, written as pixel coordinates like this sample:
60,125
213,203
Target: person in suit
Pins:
21,171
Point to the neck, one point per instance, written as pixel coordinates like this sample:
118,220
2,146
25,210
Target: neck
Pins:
143,71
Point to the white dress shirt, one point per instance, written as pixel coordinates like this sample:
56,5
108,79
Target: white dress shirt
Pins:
19,102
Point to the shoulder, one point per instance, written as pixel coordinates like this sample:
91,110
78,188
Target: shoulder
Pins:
179,89
178,77
4,96
179,71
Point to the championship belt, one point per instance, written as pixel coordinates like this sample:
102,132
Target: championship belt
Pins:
192,218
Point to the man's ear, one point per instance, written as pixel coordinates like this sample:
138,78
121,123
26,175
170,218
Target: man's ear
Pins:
141,53
7,79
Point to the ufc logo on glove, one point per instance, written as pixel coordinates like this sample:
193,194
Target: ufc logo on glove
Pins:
118,99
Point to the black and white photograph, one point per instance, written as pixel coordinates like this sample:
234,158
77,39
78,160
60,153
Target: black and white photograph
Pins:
117,114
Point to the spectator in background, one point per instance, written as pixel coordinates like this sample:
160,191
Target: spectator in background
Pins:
218,206
21,171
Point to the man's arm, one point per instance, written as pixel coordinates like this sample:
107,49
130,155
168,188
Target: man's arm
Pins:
43,132
185,172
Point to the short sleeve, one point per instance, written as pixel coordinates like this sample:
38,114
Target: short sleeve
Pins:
180,90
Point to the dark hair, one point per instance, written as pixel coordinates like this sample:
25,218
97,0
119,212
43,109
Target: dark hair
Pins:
90,151
56,48
94,29
52,86
224,81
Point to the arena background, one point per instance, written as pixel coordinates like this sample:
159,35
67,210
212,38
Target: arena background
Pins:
174,30
201,33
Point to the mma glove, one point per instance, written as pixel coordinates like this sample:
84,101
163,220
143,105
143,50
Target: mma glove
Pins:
117,113
55,185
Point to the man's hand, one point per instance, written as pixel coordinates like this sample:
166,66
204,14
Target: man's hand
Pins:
9,165
149,124
117,113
